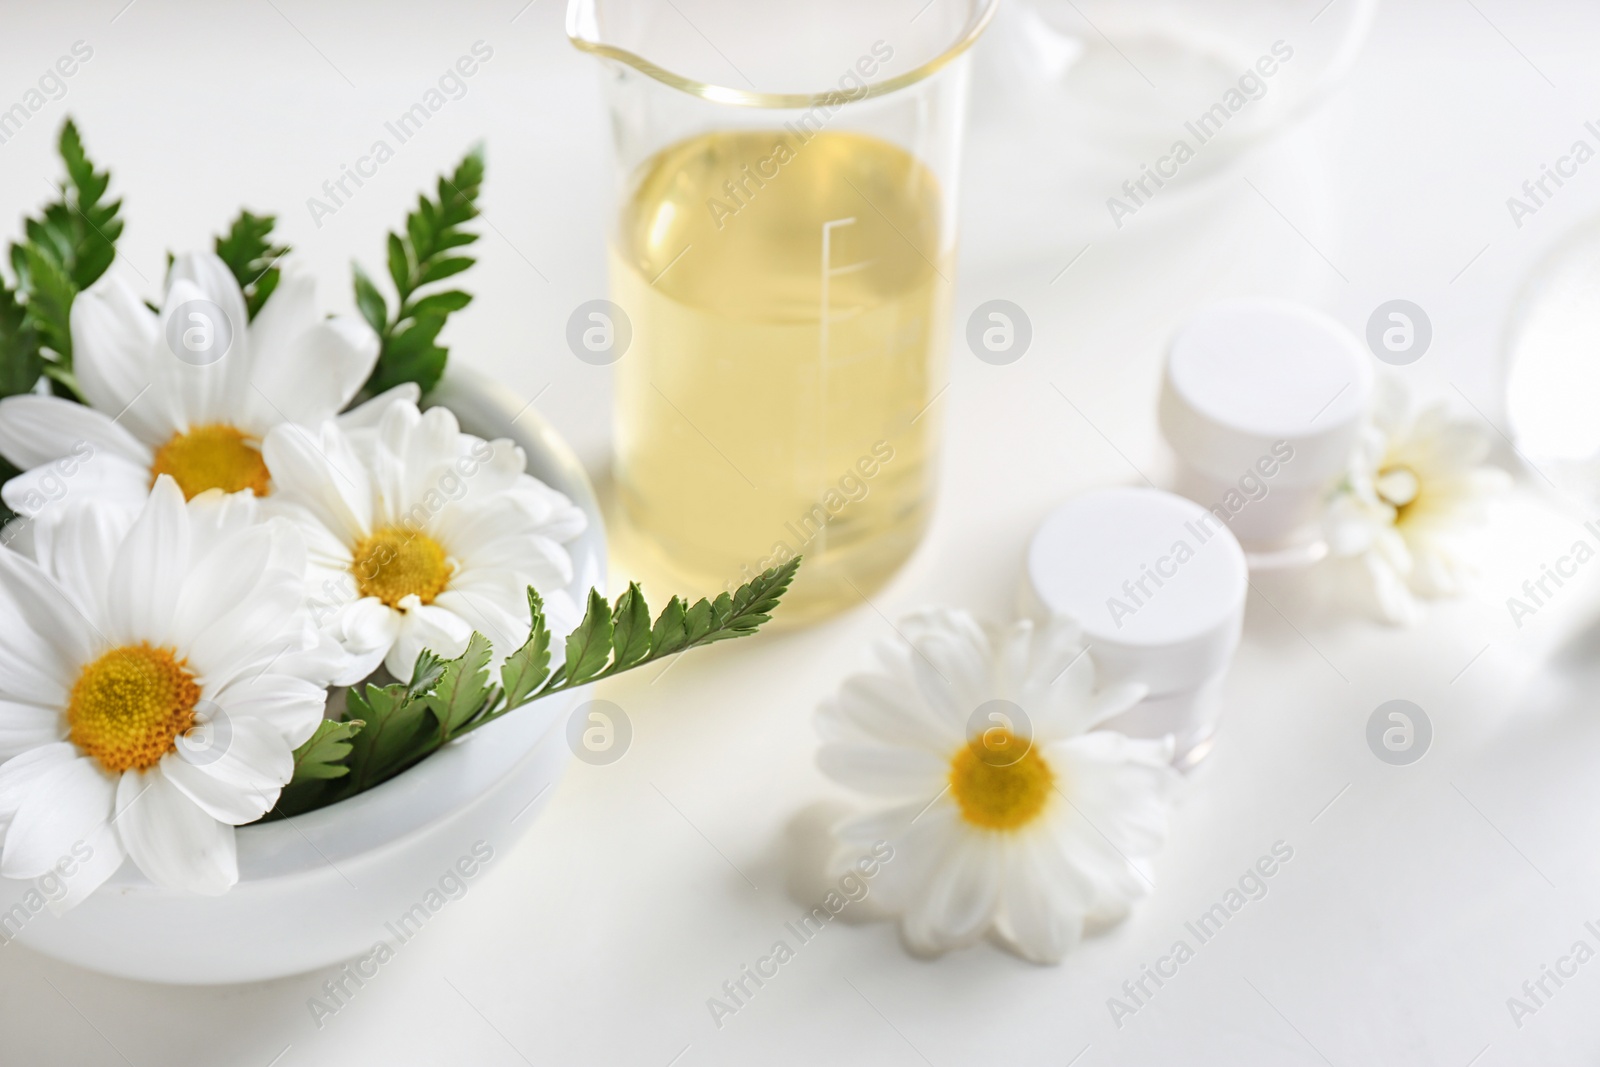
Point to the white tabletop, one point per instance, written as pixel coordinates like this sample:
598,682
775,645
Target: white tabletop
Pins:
1418,898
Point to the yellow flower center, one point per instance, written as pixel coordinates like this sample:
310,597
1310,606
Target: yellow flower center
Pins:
394,563
1400,488
212,457
995,789
128,707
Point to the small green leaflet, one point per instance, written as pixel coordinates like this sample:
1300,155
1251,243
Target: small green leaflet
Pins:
20,360
425,673
50,293
447,699
589,646
460,689
323,755
395,737
78,232
419,258
251,256
630,628
316,762
63,250
527,668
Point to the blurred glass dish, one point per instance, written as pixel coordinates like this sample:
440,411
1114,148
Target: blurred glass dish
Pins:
1553,365
1097,96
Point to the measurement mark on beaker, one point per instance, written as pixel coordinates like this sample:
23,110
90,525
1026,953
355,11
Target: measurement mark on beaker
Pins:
824,319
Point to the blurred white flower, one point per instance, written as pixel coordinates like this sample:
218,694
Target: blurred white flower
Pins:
1417,490
1012,814
157,671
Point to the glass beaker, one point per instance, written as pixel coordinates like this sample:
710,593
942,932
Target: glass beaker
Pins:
783,250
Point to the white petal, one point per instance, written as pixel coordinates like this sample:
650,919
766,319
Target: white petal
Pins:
917,834
318,471
215,516
514,559
321,370
488,531
24,727
558,518
113,338
253,635
68,805
289,312
495,611
218,390
367,415
224,582
97,859
21,774
328,555
147,576
1041,913
1109,703
958,903
172,840
495,467
106,481
360,665
1060,675
215,282
1394,598
415,451
1122,785
78,552
1103,875
953,646
291,705
375,629
367,625
875,707
318,661
40,662
19,535
882,770
235,773
423,626
35,430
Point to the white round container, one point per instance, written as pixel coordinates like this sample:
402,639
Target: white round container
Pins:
332,884
1157,584
1262,401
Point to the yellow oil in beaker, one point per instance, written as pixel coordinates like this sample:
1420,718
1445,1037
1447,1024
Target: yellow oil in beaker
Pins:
790,304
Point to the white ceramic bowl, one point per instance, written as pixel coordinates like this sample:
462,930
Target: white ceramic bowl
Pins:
330,885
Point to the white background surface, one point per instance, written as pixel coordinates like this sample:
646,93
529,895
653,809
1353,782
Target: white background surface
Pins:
1416,902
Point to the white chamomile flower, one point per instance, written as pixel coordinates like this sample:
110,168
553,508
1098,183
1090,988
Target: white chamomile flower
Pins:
1416,491
418,534
157,670
190,391
1013,816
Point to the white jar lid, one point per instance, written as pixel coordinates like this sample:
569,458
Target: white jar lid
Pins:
1156,582
1244,375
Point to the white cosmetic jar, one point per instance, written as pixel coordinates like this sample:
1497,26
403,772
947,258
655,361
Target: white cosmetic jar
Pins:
1263,402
